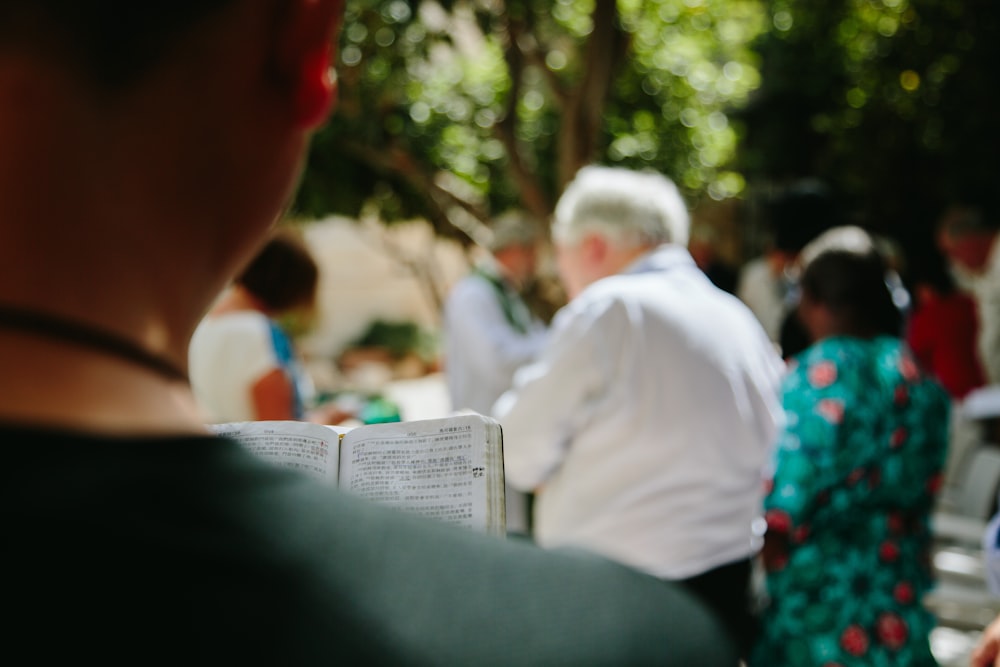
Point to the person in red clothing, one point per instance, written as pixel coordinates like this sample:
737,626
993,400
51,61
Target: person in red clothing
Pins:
943,327
942,332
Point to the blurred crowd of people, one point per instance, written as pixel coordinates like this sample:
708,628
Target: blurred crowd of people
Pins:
799,414
772,439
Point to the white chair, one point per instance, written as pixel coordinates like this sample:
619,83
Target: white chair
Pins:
973,503
961,598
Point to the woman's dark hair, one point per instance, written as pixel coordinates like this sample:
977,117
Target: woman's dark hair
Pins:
851,282
114,41
282,276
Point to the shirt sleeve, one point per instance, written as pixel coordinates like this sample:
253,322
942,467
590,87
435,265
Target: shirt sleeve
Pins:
474,314
542,411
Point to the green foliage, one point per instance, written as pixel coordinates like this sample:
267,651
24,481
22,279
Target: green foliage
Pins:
690,65
475,104
398,338
425,88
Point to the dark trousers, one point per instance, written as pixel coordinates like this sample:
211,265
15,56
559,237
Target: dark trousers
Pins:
727,591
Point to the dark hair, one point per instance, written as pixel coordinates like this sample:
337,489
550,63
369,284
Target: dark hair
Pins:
283,275
113,41
852,284
801,213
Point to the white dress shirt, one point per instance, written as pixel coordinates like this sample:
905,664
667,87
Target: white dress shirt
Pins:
482,347
646,421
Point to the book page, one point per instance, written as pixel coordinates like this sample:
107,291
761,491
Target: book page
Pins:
448,469
309,448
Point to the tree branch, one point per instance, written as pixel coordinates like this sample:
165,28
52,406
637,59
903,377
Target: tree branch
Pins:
446,209
582,118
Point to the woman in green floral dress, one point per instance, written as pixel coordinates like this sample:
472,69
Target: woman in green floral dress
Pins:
856,472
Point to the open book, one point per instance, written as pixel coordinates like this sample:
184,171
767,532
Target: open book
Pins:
449,469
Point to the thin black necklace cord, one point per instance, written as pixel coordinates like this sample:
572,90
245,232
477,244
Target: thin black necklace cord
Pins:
59,328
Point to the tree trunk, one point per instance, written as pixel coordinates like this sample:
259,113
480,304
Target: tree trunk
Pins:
532,195
582,114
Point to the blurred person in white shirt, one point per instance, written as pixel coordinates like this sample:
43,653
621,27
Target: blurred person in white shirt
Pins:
489,330
644,425
768,284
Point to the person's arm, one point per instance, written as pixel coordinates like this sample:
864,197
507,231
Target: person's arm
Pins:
273,399
474,314
987,651
549,399
272,396
329,414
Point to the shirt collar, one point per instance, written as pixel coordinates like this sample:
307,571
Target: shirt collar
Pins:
661,258
489,267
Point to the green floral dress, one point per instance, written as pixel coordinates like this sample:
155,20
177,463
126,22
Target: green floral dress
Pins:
856,472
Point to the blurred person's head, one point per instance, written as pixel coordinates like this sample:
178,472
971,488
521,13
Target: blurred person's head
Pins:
185,119
158,141
929,275
843,287
608,217
966,234
514,245
282,277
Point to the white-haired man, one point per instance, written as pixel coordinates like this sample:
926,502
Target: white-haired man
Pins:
645,423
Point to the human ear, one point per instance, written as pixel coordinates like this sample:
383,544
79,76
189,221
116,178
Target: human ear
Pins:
306,50
595,248
316,92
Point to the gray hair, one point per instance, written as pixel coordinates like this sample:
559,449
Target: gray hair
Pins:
513,227
847,238
630,208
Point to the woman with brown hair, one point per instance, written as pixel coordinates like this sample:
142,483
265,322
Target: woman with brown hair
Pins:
243,365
